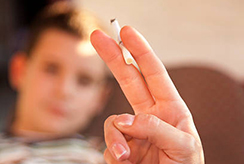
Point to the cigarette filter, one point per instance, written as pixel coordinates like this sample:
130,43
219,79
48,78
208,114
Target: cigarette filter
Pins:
126,54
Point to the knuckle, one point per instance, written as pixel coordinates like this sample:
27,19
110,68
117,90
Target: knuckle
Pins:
151,123
186,114
109,120
145,54
192,144
148,119
128,80
155,74
114,58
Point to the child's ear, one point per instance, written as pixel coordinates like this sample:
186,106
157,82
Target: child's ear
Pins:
16,69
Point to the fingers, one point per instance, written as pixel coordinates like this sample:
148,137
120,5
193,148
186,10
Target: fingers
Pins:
129,78
151,136
152,68
115,140
120,148
156,131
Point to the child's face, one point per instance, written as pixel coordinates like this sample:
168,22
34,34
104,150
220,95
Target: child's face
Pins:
61,86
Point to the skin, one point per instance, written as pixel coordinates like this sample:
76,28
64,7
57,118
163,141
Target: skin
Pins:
162,129
60,87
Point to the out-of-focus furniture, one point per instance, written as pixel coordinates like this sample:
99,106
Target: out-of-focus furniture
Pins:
215,100
216,103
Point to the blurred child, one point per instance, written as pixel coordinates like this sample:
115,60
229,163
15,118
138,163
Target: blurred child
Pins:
61,86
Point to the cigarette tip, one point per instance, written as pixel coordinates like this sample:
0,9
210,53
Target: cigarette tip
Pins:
112,20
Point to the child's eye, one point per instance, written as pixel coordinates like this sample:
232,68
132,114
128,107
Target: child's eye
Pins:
84,80
51,69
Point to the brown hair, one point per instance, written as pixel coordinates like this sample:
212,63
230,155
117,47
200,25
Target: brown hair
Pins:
63,16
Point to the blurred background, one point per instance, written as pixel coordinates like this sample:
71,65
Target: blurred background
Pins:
204,38
196,32
199,32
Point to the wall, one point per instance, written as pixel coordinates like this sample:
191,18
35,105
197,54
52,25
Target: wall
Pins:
196,32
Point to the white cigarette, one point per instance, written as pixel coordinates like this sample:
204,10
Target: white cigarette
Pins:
126,54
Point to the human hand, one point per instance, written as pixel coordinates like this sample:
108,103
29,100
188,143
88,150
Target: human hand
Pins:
162,129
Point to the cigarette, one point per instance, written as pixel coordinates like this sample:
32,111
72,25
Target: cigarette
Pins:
126,54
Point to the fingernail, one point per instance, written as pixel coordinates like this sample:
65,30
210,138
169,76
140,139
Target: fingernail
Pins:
125,120
118,150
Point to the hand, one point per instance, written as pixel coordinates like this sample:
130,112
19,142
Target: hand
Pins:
162,129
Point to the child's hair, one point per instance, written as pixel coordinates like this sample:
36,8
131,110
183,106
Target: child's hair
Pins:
63,16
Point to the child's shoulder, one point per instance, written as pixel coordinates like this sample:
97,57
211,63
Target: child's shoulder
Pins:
63,150
12,150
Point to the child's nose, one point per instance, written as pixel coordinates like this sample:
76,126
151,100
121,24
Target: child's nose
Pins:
65,87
